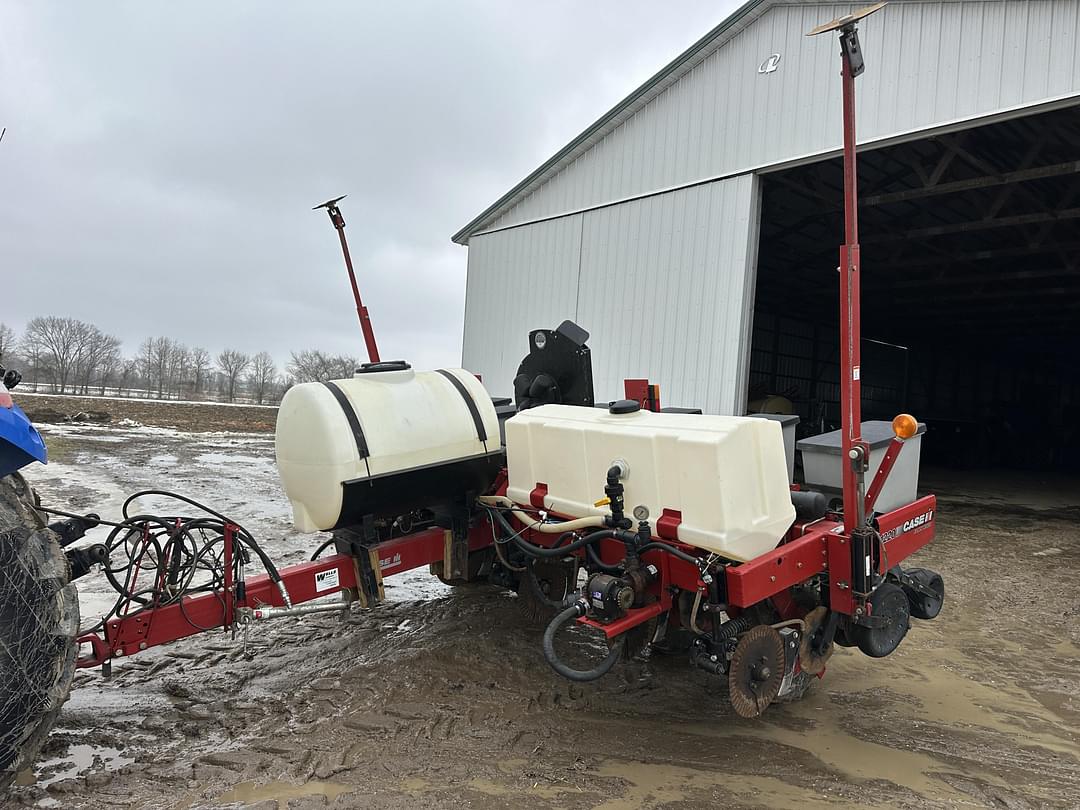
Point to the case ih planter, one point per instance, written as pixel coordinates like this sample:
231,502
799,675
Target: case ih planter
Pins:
646,526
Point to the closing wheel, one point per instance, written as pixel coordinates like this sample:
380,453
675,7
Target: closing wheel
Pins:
891,616
543,586
925,605
813,656
756,671
39,619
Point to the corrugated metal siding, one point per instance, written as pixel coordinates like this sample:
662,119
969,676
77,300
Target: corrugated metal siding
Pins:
518,280
663,284
928,63
665,288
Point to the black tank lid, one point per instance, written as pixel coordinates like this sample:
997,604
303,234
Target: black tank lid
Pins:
624,406
385,365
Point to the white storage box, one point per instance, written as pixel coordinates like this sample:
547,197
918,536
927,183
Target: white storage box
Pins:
788,422
823,464
725,474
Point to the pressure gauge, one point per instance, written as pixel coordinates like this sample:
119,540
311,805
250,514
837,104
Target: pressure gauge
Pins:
641,512
540,340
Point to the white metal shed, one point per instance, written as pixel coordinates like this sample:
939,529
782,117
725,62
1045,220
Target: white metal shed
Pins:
646,228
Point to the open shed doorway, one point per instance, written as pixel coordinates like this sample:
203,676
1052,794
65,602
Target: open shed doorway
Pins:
971,293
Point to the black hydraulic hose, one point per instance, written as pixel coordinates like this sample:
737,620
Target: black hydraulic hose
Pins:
587,541
242,534
594,559
322,548
682,555
580,675
557,550
561,551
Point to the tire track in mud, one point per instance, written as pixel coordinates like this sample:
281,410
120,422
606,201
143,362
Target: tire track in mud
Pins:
449,702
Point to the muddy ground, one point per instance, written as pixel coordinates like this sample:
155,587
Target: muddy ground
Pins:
440,698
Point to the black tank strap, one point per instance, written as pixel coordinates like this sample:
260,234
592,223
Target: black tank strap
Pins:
350,414
481,432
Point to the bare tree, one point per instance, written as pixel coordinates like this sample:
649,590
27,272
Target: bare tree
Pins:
200,367
232,364
306,366
7,341
154,356
106,359
262,376
60,344
145,362
32,353
179,368
129,372
312,365
97,359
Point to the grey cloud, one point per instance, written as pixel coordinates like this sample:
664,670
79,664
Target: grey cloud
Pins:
161,159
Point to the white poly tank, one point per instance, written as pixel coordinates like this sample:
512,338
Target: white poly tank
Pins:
726,475
384,443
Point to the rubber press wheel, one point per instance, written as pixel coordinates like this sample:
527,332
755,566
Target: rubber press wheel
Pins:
888,602
924,605
39,620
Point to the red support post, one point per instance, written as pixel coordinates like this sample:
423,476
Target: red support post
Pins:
229,594
850,328
365,322
882,474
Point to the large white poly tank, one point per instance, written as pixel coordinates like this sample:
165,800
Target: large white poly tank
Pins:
384,443
726,475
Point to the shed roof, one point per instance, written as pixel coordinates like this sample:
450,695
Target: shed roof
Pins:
741,19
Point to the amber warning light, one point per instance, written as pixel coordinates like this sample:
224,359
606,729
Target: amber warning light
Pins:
905,426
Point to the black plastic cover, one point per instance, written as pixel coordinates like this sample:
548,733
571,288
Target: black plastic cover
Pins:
557,370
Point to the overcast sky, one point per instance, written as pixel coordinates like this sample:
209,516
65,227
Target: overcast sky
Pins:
161,160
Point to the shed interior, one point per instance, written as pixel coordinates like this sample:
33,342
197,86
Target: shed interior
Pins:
970,247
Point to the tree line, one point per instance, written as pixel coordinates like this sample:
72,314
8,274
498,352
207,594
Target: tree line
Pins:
69,356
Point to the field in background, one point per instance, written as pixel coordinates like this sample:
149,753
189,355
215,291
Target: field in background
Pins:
190,416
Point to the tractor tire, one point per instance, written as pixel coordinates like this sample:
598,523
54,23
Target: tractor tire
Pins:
39,622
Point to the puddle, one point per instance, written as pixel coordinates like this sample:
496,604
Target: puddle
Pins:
651,784
78,759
